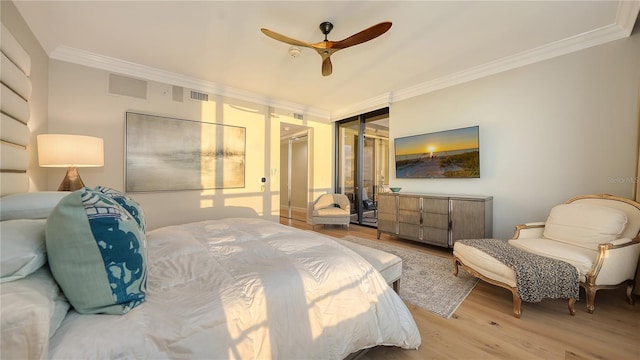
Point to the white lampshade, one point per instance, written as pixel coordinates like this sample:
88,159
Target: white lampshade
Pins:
61,150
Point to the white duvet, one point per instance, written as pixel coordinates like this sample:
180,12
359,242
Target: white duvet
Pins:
246,289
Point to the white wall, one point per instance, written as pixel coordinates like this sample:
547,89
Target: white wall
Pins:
38,103
548,131
79,104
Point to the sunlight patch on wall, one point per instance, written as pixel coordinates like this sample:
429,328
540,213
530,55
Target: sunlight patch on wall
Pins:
206,203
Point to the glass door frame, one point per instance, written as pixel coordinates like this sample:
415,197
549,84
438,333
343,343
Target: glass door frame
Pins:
358,160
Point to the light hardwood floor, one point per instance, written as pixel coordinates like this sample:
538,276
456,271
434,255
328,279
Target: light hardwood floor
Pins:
483,327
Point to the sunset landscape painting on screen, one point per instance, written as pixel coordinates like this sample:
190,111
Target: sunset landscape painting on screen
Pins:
445,154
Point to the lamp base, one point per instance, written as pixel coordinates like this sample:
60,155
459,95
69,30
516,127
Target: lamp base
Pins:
71,181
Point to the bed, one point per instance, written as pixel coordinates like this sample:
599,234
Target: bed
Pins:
237,288
82,278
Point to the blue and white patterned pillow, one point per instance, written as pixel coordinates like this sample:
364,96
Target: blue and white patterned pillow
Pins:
97,253
132,206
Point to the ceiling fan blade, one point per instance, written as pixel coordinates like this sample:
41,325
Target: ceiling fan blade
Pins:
363,36
327,68
285,39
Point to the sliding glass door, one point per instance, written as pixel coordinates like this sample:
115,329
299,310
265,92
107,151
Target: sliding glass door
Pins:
363,163
348,139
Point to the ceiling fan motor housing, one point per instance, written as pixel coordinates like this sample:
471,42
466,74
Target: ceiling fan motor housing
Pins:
326,28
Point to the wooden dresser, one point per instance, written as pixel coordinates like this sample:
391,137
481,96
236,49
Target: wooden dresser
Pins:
435,219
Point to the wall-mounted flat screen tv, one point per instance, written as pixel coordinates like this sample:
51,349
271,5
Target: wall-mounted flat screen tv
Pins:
444,154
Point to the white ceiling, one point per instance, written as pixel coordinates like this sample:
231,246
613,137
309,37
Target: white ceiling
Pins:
217,46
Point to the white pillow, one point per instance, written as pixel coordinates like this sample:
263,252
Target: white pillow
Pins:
32,310
585,225
23,248
30,205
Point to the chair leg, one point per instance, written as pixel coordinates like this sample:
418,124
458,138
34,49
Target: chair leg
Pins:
590,291
630,298
572,309
517,304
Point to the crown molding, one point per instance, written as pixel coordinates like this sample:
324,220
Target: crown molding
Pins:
85,58
625,19
362,107
627,14
552,50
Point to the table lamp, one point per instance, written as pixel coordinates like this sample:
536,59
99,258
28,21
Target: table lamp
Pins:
72,152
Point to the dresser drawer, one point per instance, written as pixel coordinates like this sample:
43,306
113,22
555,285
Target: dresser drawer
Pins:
386,202
409,230
438,206
410,217
387,225
439,221
386,216
409,203
435,236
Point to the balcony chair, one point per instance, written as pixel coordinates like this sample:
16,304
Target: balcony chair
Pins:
369,205
597,234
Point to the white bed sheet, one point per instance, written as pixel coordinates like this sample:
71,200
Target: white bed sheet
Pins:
32,310
246,289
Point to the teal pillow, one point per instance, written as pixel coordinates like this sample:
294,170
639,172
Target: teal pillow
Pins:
97,253
132,206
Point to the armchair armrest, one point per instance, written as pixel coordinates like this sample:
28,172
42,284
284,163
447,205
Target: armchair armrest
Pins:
529,230
616,262
618,243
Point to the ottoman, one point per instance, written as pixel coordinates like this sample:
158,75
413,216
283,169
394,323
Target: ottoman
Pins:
489,269
389,265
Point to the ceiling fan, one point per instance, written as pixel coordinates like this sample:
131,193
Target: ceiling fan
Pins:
326,48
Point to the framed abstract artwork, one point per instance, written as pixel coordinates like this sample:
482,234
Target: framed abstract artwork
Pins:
168,154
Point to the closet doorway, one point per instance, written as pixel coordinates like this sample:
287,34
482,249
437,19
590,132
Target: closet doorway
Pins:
294,174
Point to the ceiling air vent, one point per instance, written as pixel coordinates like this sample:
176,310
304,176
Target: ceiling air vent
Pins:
198,96
297,116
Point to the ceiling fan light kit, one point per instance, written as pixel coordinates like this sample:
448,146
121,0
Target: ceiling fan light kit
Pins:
294,51
326,47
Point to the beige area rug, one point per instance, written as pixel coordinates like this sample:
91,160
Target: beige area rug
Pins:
427,280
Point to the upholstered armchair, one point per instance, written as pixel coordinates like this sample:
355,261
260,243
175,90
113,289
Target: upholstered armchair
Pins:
598,234
332,209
